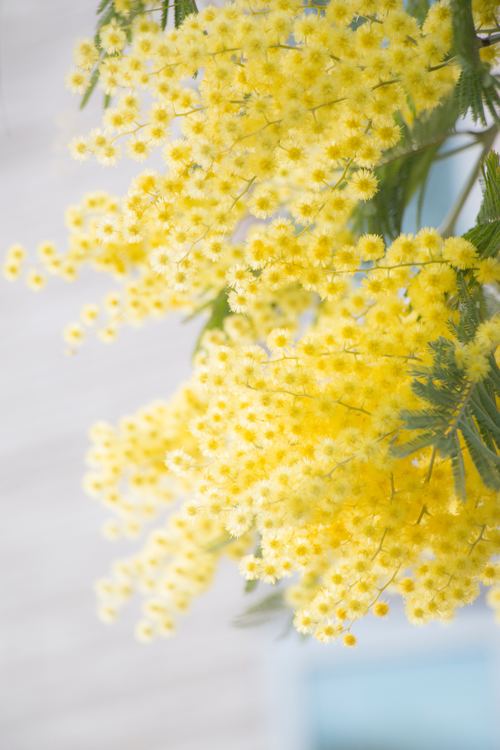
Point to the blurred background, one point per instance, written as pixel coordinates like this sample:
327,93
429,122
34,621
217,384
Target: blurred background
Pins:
68,682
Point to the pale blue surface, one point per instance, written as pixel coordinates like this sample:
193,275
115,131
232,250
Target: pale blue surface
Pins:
433,702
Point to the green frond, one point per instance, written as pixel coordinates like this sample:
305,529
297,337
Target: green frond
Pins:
457,467
486,238
262,611
411,446
486,423
454,407
490,184
405,171
182,9
219,310
90,88
418,9
437,396
164,13
486,463
477,90
421,420
102,6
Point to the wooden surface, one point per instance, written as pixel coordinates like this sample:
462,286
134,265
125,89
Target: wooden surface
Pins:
68,682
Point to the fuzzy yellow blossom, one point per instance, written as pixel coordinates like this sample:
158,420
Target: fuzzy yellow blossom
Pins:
293,108
459,252
73,334
287,446
112,38
475,356
35,280
278,452
13,264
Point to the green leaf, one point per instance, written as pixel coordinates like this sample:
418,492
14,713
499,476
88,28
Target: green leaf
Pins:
457,466
484,420
262,611
468,304
219,312
477,90
405,171
182,9
102,6
494,375
467,428
421,420
221,544
252,585
486,238
90,88
485,399
418,9
486,467
164,14
454,406
490,184
435,395
105,19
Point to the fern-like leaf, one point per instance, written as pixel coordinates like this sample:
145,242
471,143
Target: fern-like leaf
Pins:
478,90
164,14
219,310
182,9
262,611
490,184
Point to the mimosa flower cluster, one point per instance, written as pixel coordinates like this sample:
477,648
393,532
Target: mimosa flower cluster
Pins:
270,118
289,114
283,452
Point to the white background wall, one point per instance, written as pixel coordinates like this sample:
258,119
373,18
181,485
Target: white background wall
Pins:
68,682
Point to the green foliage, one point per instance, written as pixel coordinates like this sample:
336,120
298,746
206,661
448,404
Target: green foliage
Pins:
106,13
103,5
456,408
90,88
418,9
261,612
478,90
461,415
251,585
405,172
407,167
486,234
183,8
486,238
164,13
490,183
219,310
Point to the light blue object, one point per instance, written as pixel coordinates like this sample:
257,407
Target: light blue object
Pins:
431,702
